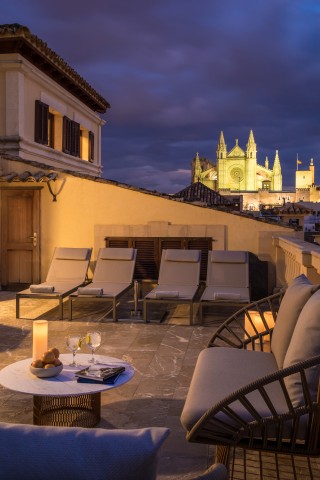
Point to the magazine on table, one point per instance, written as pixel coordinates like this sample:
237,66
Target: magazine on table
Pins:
95,374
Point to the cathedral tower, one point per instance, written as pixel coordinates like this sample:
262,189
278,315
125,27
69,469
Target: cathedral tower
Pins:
277,176
197,169
251,164
222,161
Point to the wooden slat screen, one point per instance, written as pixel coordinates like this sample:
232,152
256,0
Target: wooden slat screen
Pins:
203,244
149,250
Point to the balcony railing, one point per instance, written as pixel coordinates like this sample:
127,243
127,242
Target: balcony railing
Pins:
294,257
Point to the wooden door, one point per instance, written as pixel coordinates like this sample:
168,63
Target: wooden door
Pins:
20,236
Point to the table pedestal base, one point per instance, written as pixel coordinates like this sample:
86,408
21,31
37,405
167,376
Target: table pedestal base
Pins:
70,411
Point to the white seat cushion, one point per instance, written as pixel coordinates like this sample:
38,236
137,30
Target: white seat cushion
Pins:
220,372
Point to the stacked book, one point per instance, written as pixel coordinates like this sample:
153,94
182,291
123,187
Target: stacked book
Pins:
94,374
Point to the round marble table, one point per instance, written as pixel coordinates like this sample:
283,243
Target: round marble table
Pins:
61,400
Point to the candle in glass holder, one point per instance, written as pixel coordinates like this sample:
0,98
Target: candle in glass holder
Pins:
258,323
40,338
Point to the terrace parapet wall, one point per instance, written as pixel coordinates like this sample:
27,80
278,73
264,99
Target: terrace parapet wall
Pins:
294,257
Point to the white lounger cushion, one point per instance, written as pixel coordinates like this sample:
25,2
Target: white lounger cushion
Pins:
115,265
172,255
71,253
69,265
228,256
228,269
30,452
305,344
116,253
182,268
295,298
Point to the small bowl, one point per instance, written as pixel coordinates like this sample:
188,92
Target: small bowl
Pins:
46,372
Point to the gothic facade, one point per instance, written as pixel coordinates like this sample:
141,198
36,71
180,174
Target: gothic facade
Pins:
238,169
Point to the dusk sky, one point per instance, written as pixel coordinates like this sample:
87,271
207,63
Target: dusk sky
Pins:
177,72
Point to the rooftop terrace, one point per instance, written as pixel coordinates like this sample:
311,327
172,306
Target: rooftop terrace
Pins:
163,355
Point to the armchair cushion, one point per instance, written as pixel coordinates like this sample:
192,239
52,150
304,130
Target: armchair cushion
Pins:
30,452
222,371
295,298
305,344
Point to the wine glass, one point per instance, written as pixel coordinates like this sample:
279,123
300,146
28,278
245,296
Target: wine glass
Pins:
93,340
73,344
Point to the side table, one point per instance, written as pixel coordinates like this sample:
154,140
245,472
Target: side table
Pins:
61,400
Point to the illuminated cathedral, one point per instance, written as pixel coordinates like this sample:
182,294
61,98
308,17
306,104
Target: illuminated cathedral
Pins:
238,169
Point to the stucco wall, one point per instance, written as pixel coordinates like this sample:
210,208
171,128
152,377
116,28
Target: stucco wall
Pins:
87,211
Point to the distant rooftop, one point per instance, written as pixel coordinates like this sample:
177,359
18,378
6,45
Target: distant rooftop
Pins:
15,38
198,192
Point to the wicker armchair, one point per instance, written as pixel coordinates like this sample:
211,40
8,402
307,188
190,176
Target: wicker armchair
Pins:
251,418
235,333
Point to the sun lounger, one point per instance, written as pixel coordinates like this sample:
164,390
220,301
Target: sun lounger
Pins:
112,278
67,272
227,279
178,280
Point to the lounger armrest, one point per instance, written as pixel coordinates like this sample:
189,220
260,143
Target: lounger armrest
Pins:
233,429
237,333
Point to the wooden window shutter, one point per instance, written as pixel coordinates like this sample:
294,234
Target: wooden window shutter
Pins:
203,244
41,122
175,243
149,251
147,264
91,147
66,135
117,242
75,139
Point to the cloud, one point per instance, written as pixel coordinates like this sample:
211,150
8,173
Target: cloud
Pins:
177,72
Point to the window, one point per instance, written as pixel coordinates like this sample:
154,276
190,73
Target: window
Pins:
91,146
62,133
266,184
50,130
71,137
44,124
41,123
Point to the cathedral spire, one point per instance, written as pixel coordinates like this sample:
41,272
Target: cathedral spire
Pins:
277,176
276,165
221,139
251,146
197,169
222,147
251,139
